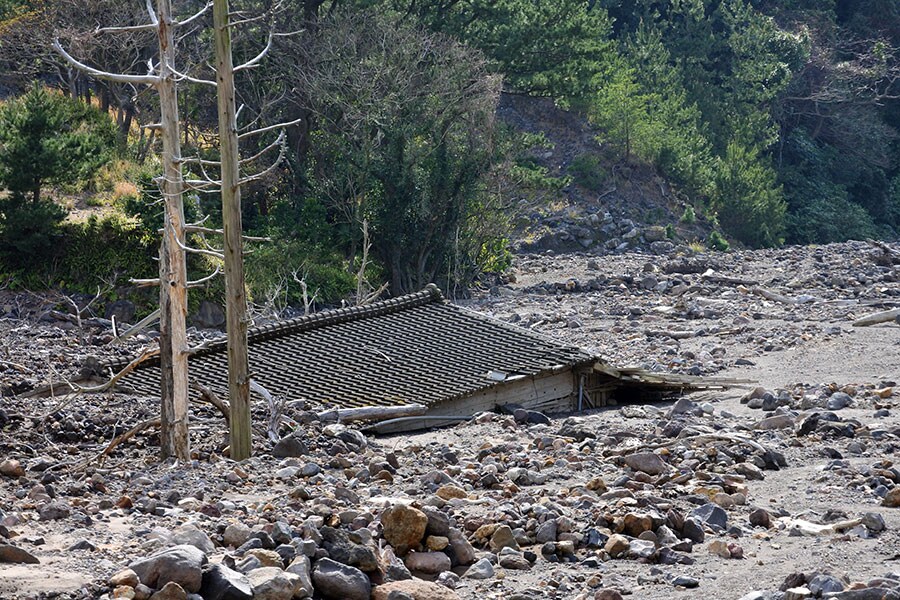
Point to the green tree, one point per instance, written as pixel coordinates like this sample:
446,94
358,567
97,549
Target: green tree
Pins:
44,139
747,199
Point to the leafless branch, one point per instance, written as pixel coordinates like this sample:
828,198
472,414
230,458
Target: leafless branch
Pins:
114,77
194,17
269,128
255,60
202,281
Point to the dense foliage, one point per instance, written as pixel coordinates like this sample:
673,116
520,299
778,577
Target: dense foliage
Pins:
778,119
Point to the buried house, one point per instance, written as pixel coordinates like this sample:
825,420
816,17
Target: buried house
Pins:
415,349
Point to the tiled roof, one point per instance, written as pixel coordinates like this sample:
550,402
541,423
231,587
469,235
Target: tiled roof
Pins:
412,349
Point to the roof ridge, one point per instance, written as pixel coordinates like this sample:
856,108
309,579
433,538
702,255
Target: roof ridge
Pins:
429,294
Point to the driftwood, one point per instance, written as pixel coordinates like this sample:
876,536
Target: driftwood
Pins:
372,413
776,297
714,277
879,317
210,397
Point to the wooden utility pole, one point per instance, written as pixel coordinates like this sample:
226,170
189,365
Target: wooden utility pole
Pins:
172,268
235,296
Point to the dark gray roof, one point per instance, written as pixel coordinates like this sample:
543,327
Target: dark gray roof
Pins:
411,349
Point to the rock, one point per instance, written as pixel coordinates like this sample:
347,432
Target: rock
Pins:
711,515
822,584
546,532
403,527
693,530
170,591
236,534
301,568
797,593
124,577
838,400
514,560
616,545
266,558
53,511
874,522
503,538
430,563
686,582
760,517
892,498
335,581
414,588
577,428
438,522
221,583
482,569
460,550
291,446
436,542
345,550
271,583
641,548
607,594
646,462
449,492
11,468
190,535
775,422
181,564
13,554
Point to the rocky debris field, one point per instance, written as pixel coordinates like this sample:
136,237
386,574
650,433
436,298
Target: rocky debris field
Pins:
783,490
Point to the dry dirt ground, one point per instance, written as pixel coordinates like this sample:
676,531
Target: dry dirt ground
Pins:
781,318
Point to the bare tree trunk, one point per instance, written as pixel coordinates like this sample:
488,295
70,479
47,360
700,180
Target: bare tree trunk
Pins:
235,297
172,269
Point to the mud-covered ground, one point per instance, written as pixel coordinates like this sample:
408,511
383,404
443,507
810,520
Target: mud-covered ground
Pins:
793,485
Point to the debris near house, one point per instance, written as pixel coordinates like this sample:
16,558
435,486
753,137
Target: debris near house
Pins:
789,489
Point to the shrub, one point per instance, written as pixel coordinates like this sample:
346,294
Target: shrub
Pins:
715,241
688,217
588,172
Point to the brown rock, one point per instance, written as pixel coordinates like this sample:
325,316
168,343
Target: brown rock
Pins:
12,554
608,594
616,545
449,492
418,589
646,462
267,558
170,591
124,577
503,538
635,524
126,592
403,527
892,498
11,468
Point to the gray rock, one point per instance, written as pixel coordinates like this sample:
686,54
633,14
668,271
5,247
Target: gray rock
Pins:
342,549
503,538
236,534
301,568
122,310
192,536
438,521
291,446
775,422
822,584
711,515
646,462
685,581
576,427
693,530
221,583
430,563
53,511
546,532
482,569
335,581
181,564
271,583
838,400
460,550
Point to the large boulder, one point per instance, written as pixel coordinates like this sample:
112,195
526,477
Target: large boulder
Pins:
182,564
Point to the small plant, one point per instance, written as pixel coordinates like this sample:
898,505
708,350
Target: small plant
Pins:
717,242
689,217
588,172
670,232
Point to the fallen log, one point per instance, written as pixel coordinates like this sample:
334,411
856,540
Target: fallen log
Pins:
372,413
776,297
876,318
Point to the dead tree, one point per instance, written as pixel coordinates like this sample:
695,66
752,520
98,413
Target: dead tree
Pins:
163,77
